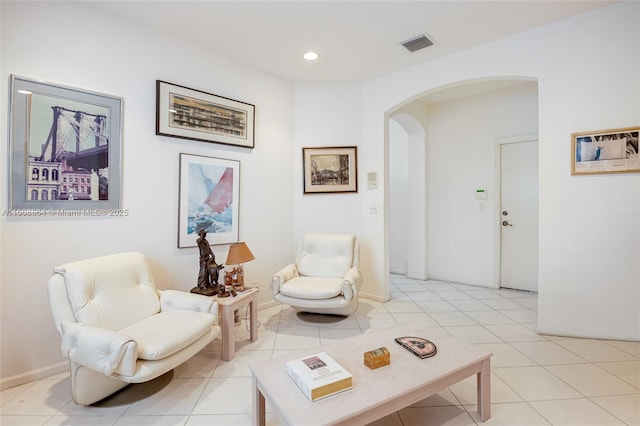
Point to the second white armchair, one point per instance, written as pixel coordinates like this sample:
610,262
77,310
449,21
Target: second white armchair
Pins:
325,277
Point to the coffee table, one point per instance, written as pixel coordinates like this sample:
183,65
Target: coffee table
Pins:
375,393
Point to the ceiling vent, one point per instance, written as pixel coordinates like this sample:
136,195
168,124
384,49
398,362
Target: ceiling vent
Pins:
417,43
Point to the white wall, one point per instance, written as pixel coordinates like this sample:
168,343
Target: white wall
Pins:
399,202
71,44
577,295
408,241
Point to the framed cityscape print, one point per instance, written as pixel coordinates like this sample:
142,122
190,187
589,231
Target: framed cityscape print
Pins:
605,151
209,199
193,114
66,148
330,169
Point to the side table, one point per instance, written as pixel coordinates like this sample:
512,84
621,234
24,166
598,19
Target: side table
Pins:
227,306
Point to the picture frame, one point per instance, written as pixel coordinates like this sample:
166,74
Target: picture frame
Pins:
209,199
187,113
605,151
65,148
330,169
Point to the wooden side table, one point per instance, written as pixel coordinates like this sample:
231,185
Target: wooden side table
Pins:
226,307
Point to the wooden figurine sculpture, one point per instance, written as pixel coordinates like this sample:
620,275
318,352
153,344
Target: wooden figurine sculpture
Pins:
208,274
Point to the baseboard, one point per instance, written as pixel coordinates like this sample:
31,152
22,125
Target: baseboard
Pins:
268,305
377,298
30,376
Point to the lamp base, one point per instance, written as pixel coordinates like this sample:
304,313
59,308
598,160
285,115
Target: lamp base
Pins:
235,278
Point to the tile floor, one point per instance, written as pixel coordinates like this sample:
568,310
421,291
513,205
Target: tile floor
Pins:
536,380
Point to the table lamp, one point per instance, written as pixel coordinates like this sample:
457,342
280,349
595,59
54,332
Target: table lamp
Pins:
239,253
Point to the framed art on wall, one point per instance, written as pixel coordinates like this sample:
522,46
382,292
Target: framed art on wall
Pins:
66,147
208,199
193,114
330,169
605,151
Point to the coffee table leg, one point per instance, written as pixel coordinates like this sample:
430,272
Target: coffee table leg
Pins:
259,418
484,390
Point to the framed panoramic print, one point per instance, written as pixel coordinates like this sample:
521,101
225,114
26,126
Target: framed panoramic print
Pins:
330,169
192,114
605,151
209,199
66,148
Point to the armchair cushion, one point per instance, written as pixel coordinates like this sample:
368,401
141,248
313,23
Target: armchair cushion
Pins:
166,333
312,288
97,348
110,291
324,255
181,300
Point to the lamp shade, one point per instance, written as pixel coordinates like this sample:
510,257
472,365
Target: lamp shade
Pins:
239,253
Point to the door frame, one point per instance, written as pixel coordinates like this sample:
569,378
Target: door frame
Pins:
498,199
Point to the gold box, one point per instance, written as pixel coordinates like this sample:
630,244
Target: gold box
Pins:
377,358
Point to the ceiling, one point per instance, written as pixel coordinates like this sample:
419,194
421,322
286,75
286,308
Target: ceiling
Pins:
356,40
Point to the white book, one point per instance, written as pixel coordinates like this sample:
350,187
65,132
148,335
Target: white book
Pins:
319,376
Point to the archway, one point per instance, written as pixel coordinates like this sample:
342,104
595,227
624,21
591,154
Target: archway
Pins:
457,126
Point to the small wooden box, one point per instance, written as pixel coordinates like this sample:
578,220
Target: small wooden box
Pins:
377,358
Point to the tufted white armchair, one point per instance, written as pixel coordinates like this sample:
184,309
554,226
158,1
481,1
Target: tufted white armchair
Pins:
324,279
117,328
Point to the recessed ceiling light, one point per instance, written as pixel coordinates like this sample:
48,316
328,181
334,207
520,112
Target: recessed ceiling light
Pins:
310,55
24,92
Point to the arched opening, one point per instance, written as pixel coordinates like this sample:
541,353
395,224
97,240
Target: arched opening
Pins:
459,128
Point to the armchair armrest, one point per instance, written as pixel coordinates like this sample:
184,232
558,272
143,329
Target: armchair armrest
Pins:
183,301
99,349
282,276
351,283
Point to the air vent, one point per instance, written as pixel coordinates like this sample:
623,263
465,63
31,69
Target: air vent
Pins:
417,43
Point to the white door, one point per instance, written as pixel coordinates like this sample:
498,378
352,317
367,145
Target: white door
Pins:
519,215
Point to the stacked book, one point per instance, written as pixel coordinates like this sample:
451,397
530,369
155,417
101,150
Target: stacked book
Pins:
319,376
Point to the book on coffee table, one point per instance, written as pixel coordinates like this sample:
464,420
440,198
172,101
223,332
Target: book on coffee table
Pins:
319,376
420,347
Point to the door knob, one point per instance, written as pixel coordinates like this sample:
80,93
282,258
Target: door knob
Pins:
505,223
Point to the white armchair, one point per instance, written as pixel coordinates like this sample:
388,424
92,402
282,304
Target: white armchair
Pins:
117,328
325,278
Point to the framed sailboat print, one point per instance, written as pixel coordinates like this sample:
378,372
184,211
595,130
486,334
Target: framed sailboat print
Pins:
208,200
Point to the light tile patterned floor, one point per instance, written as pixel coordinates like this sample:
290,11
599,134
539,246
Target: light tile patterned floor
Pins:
536,380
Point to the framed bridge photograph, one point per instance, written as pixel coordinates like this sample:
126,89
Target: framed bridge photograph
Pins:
66,148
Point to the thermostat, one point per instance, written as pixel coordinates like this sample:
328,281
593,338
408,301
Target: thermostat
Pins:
372,180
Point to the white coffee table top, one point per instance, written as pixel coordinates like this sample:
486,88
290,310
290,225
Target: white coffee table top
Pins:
405,374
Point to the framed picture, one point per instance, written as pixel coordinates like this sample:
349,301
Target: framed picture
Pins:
66,148
209,199
330,169
192,114
605,151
